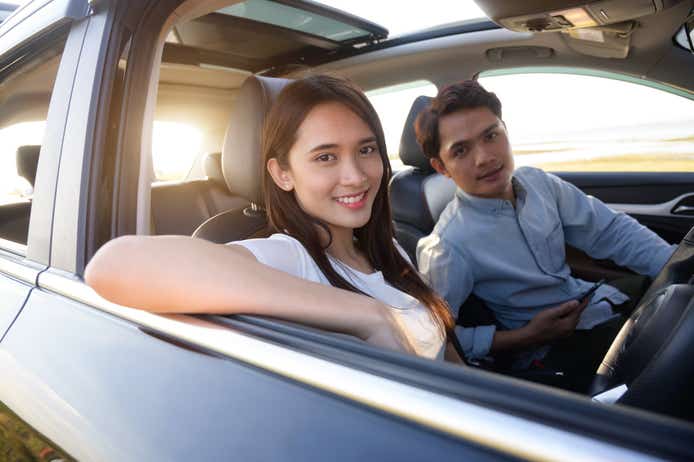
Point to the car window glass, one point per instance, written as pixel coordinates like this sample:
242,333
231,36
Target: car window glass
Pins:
393,105
566,122
26,84
175,145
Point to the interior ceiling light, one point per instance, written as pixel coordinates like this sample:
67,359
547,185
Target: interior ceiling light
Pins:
578,17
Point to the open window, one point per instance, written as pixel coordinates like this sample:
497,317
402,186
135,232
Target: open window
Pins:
566,120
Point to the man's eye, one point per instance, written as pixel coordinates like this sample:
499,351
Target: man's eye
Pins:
492,135
366,150
458,152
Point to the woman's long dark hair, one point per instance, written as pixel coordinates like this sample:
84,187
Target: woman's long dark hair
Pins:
375,238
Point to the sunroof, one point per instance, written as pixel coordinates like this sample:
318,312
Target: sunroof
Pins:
296,19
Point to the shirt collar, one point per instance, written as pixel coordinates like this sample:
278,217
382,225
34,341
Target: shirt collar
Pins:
492,205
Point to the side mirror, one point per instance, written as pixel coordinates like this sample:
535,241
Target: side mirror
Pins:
685,36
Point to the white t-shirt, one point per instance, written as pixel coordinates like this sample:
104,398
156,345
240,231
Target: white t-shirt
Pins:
285,253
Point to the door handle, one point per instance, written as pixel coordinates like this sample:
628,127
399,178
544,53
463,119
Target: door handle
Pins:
683,210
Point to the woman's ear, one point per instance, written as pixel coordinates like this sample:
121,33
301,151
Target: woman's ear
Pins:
282,178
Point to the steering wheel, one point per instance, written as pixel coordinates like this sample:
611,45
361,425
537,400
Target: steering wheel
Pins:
649,365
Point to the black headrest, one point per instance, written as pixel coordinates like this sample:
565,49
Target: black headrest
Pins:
213,167
410,151
241,156
27,161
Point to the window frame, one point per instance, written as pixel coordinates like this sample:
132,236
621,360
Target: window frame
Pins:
37,23
587,72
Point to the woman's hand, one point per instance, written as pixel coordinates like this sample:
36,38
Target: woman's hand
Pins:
388,332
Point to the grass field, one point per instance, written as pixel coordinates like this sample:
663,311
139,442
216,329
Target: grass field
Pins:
624,163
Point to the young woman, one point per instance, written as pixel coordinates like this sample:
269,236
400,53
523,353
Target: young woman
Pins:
332,262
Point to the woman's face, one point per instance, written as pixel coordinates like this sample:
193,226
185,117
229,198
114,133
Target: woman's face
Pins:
335,167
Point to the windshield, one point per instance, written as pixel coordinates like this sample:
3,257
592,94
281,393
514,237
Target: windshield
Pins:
400,21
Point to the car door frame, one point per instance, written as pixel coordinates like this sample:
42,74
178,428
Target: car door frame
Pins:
33,23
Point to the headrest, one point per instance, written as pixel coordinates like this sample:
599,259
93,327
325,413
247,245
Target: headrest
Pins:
27,161
213,167
241,157
410,152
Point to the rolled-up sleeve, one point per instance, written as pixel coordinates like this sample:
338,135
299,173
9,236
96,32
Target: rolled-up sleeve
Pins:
475,341
603,233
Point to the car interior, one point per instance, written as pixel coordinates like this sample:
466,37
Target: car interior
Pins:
222,66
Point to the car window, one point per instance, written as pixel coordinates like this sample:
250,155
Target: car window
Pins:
570,122
393,105
26,84
175,146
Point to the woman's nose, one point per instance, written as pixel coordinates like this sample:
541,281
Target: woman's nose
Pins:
353,172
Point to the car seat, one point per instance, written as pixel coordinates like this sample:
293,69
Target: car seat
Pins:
241,162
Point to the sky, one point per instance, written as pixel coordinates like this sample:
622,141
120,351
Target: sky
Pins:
386,13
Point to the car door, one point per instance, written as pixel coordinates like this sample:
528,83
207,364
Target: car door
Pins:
627,142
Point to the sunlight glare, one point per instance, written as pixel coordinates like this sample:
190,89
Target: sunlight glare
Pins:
12,186
174,148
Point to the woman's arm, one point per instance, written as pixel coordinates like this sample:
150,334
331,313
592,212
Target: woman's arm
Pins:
178,274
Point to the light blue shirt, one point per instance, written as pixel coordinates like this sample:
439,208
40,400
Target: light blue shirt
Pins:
514,258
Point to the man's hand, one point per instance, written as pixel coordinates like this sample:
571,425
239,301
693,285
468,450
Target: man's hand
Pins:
556,322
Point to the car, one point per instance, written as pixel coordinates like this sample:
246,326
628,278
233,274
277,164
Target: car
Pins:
143,117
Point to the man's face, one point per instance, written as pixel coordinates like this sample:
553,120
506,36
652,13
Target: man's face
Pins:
475,153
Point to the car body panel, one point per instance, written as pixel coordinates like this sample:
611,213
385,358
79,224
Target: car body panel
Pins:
34,19
79,392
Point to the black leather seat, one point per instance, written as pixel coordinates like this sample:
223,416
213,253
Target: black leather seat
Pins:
180,207
418,194
14,217
242,167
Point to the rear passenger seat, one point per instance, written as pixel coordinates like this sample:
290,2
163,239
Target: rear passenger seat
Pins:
179,208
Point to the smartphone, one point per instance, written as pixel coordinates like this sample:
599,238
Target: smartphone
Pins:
586,295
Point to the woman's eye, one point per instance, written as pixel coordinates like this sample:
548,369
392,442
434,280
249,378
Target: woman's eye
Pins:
366,150
325,157
492,135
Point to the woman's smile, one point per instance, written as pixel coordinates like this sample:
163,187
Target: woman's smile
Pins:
353,201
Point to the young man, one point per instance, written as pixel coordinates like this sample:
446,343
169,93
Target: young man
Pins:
502,238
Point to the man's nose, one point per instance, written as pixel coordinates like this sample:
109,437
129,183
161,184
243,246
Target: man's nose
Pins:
484,155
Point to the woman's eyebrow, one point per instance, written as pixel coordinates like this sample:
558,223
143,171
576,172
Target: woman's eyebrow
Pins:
321,147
